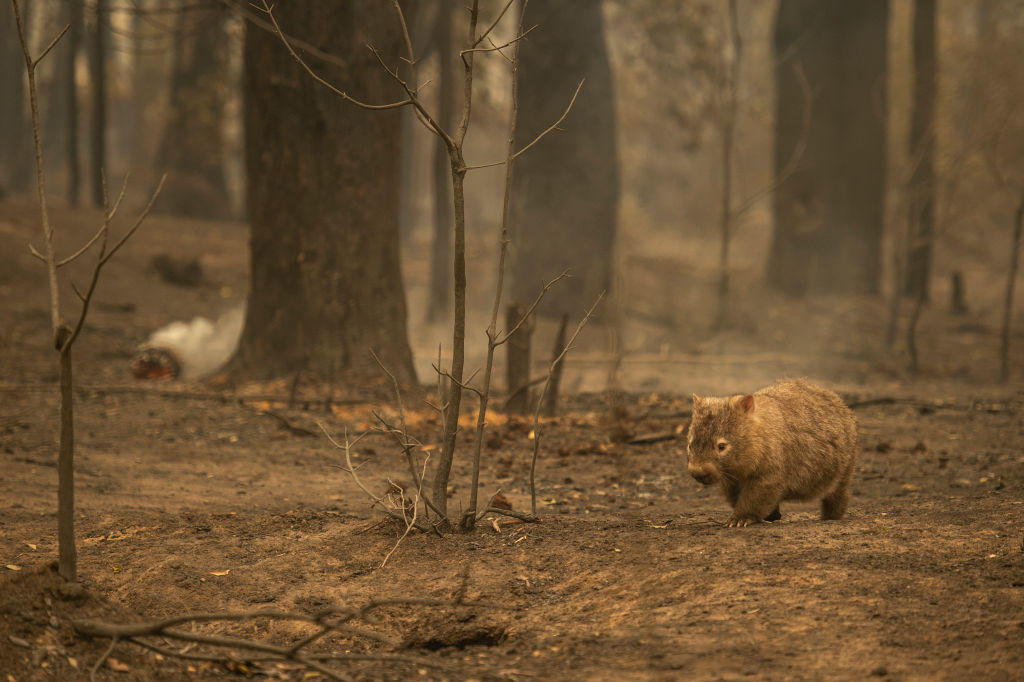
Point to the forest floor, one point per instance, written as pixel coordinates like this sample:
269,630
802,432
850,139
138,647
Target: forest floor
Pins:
201,497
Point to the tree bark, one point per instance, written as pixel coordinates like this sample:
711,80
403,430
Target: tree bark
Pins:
565,190
192,147
67,551
922,146
322,195
828,212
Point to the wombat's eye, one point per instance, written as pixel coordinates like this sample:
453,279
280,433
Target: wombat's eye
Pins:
722,445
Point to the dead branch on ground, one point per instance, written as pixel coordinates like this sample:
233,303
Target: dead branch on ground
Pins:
331,629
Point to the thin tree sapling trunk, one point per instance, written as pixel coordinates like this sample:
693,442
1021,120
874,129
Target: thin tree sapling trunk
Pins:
1011,278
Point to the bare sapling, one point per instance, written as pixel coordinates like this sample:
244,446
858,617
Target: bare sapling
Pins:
1011,278
517,362
64,335
540,401
918,239
730,213
550,405
452,380
730,96
1003,177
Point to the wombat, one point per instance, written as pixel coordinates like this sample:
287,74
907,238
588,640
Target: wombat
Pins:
790,441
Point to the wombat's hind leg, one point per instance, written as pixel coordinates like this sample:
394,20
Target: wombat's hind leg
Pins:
775,514
833,505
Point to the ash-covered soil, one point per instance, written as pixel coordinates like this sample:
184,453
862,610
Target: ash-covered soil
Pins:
208,497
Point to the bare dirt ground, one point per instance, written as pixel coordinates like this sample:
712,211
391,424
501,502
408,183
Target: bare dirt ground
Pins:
196,498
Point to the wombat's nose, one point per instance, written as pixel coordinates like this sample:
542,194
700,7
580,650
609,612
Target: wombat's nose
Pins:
703,476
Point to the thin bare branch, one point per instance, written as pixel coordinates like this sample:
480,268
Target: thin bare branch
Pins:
336,620
470,517
415,511
49,47
462,384
499,48
99,661
540,402
269,11
256,20
105,256
378,501
494,23
102,231
512,513
553,126
533,306
1011,278
48,258
138,221
422,114
798,150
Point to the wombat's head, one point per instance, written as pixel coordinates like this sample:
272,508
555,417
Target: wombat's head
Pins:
717,438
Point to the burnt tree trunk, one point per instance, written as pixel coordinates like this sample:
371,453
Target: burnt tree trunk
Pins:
73,39
322,195
192,147
828,212
921,226
15,128
98,86
439,294
565,190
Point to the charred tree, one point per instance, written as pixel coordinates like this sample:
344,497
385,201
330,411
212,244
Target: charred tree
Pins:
922,145
15,129
73,39
565,191
828,212
98,85
192,147
439,294
322,196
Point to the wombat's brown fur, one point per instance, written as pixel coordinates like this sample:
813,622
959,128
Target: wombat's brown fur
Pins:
790,441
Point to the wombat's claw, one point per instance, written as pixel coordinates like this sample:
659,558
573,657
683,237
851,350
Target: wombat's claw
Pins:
741,521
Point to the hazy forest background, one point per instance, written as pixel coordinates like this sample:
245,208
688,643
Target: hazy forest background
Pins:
842,176
746,189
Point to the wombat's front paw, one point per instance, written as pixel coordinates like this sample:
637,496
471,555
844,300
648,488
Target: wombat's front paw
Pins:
742,520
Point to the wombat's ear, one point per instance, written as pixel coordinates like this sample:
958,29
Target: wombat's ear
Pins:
743,403
697,400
